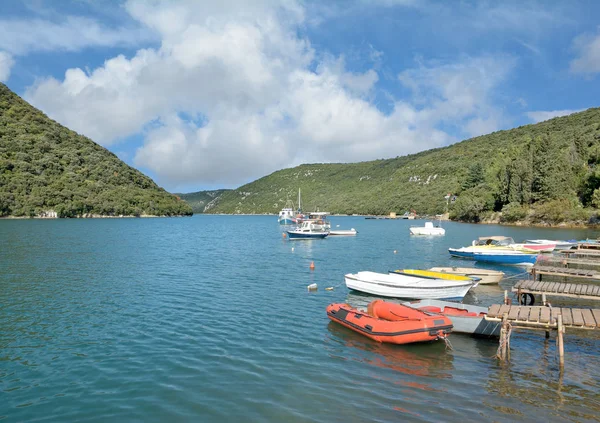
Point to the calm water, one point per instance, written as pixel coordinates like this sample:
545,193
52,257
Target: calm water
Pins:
208,319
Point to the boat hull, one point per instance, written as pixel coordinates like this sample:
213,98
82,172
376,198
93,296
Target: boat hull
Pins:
391,323
343,232
287,221
512,259
294,235
427,231
486,276
397,286
466,318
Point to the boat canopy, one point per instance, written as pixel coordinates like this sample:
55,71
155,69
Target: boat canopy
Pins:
495,240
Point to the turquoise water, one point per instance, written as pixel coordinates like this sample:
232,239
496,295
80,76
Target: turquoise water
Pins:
208,319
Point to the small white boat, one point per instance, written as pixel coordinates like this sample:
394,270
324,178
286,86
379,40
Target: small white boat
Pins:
408,283
465,318
486,276
345,232
428,229
559,245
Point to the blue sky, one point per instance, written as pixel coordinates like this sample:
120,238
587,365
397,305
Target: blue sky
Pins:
202,95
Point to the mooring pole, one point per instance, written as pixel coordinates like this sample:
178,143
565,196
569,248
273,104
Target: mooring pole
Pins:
560,341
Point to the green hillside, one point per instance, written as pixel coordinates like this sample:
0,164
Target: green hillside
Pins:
203,201
549,167
46,168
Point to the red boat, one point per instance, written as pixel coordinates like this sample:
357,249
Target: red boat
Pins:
391,322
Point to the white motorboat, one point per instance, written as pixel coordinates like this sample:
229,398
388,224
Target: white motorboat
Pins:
465,318
428,229
408,283
309,230
559,245
486,276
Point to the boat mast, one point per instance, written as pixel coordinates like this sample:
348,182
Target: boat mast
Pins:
299,203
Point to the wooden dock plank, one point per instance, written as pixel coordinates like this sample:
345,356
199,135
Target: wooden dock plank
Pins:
596,290
493,310
567,316
513,313
503,309
523,313
544,315
577,317
534,314
555,312
561,287
588,318
596,314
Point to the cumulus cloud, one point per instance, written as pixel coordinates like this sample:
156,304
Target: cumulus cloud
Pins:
588,51
233,93
541,116
20,36
6,63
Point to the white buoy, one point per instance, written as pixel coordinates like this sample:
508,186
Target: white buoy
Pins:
292,249
312,287
395,251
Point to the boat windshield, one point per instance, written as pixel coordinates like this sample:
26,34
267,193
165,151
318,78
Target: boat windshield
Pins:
495,240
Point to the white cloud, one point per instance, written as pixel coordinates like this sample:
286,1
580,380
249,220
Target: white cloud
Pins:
6,63
541,116
20,36
263,101
459,94
588,50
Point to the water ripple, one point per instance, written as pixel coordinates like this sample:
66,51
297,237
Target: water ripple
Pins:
208,318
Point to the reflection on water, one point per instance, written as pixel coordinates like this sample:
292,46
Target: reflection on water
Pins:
424,359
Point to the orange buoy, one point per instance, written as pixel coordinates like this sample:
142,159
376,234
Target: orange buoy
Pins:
283,234
312,265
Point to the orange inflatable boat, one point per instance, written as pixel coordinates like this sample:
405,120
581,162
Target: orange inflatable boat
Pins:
391,322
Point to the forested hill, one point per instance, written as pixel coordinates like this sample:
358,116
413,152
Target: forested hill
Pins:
548,169
47,169
203,201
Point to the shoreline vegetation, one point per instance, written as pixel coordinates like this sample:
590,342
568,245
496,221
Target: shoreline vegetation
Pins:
545,174
47,170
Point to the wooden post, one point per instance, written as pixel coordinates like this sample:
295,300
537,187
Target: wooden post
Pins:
544,299
505,297
504,338
519,296
559,339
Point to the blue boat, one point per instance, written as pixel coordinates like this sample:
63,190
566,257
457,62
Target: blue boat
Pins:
515,258
500,256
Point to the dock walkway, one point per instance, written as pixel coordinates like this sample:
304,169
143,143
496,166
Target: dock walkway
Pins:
559,289
539,270
545,317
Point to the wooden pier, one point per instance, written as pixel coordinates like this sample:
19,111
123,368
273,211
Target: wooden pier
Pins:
581,252
541,318
548,260
538,271
557,289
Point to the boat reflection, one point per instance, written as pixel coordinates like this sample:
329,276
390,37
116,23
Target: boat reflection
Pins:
423,359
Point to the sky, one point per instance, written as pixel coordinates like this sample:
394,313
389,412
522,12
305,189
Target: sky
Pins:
201,95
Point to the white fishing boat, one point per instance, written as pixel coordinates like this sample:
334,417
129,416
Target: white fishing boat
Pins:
408,283
308,230
486,276
466,318
428,229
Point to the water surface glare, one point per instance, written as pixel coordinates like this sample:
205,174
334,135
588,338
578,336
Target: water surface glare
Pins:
209,319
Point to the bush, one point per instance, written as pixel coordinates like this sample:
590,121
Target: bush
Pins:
513,212
558,211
